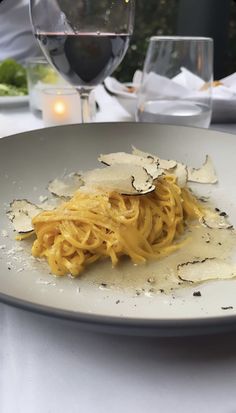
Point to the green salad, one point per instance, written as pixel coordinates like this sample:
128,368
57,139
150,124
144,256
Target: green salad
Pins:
13,81
43,73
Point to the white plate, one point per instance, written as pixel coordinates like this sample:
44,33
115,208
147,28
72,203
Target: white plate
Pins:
29,160
13,100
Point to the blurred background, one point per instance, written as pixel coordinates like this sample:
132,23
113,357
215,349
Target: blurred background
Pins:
211,18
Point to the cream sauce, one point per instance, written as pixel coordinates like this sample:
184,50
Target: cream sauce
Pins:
161,275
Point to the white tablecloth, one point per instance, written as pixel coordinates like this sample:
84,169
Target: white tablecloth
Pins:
47,366
20,119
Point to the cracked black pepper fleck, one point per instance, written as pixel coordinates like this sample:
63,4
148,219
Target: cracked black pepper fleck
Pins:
197,294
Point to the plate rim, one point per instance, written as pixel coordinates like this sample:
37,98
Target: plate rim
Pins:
11,100
113,324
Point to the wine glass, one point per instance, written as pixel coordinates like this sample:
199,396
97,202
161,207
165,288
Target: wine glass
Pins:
177,80
84,40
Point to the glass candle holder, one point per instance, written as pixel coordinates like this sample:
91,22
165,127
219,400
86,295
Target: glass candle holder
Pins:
61,107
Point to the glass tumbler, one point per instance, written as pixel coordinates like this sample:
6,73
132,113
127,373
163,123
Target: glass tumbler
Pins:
177,82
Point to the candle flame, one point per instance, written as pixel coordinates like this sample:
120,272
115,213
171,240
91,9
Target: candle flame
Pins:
59,107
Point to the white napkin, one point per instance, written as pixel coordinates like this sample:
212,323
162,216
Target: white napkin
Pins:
230,82
155,85
188,80
117,88
191,83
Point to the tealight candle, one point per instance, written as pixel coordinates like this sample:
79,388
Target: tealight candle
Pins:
61,107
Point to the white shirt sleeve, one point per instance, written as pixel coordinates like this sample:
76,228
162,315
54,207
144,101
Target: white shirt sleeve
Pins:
16,38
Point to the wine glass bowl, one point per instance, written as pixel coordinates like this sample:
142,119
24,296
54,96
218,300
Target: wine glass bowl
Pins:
85,40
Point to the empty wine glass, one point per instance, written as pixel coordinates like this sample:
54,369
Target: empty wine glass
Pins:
85,40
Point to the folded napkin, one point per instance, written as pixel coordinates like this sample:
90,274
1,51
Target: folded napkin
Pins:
222,89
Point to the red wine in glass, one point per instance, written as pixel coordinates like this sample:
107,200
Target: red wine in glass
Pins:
84,59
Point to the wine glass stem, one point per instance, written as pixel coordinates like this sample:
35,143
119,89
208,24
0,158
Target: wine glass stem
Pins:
85,107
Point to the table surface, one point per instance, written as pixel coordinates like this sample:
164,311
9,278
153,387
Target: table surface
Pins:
49,366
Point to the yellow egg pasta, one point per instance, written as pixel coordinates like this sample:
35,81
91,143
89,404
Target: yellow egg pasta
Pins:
94,226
